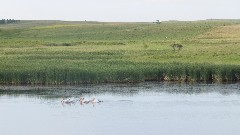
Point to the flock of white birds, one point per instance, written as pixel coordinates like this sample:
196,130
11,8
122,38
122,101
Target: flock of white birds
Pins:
82,100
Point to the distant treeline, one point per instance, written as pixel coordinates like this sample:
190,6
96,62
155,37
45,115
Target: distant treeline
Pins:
8,21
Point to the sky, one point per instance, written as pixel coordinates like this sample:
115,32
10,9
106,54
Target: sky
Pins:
119,10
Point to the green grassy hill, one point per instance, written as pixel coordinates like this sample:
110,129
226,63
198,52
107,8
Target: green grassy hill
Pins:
57,52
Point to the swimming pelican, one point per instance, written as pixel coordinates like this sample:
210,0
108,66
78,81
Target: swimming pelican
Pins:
94,100
84,101
67,101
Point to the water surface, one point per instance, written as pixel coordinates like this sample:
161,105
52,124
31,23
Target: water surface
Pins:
148,108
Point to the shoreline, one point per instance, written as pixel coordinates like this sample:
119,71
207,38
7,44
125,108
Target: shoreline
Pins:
3,86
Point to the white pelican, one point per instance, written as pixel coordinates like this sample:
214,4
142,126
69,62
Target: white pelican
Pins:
94,100
67,101
84,101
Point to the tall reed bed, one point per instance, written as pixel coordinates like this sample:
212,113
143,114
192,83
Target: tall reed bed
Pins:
74,53
133,73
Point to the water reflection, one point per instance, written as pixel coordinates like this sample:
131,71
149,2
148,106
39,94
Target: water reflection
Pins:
118,89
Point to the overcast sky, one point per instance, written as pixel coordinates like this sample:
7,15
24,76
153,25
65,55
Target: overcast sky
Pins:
120,10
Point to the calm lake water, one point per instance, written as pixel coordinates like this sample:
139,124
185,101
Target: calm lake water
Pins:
142,109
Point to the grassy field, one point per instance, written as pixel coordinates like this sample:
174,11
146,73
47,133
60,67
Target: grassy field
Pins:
57,52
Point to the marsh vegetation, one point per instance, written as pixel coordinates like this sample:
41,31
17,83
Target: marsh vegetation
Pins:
57,52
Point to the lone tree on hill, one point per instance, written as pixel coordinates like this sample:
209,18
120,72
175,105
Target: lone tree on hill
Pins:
158,22
177,46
